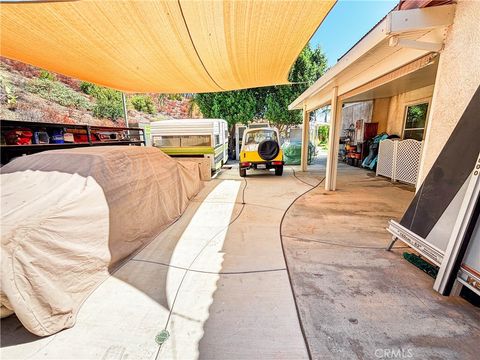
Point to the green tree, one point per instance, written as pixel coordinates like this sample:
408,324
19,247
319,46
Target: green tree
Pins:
323,131
233,106
268,102
277,112
309,66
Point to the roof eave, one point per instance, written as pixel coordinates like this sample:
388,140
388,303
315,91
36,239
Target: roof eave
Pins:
375,36
396,22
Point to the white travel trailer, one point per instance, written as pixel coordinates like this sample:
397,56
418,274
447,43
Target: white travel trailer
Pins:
193,138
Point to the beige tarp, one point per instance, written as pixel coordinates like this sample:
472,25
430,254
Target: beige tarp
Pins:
68,216
163,45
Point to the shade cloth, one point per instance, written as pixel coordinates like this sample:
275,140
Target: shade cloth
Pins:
163,45
68,216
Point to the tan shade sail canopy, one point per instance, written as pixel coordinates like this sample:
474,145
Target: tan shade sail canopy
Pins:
163,46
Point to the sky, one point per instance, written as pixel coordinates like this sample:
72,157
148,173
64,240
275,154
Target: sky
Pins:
346,23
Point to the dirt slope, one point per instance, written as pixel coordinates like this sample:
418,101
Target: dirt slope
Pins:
27,106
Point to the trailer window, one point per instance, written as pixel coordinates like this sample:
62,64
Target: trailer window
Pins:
182,141
166,141
196,140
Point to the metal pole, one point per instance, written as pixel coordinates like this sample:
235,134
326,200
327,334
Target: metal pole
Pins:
125,114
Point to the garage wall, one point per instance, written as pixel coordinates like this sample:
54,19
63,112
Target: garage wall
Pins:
397,104
458,77
356,111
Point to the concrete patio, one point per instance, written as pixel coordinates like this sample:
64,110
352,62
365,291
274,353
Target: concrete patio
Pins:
358,301
217,281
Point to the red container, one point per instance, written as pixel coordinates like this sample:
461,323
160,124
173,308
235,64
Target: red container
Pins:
83,138
18,137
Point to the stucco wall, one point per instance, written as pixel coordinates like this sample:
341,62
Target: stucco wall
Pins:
396,108
380,113
458,77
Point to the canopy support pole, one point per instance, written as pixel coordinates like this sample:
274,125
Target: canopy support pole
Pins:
333,141
305,138
125,113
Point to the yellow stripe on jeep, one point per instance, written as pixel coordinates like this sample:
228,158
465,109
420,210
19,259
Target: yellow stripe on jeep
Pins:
254,157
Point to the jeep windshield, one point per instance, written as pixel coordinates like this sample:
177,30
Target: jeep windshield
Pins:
255,137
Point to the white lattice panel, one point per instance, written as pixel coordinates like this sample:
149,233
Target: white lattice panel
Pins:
408,161
386,155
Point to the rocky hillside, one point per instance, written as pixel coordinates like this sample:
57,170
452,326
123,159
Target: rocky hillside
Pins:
28,93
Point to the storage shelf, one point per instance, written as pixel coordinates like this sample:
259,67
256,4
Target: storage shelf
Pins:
120,142
42,145
10,151
93,143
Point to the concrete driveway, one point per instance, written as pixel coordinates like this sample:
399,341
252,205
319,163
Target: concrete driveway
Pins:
216,280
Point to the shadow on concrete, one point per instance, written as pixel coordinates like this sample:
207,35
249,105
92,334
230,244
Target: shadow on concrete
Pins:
153,284
14,333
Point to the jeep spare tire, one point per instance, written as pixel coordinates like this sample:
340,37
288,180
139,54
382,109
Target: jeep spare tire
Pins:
268,149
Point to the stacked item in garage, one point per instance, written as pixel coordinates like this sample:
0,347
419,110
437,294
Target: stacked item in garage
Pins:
357,142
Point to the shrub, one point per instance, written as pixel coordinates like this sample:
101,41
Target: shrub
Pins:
87,88
108,109
108,102
57,92
163,97
143,103
44,74
176,97
323,131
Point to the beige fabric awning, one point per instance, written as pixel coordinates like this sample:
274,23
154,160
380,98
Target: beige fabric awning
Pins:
163,46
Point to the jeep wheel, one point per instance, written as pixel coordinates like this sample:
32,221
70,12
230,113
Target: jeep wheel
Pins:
279,170
243,172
